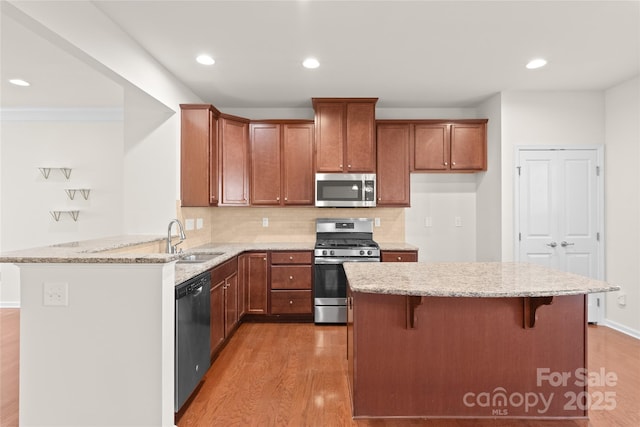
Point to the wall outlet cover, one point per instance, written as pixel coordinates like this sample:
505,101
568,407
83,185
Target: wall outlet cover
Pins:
199,223
189,224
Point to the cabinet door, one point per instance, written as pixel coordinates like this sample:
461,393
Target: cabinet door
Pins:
361,138
217,333
399,256
329,119
393,164
468,147
230,304
234,185
198,156
298,177
242,285
257,283
431,147
265,164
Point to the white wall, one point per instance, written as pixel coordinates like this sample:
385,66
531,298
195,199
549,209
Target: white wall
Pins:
488,190
622,181
543,118
134,190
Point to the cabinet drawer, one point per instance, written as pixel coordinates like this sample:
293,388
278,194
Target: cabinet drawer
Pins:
291,277
299,257
288,302
399,256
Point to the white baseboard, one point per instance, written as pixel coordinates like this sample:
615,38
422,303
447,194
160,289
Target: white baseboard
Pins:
9,304
621,328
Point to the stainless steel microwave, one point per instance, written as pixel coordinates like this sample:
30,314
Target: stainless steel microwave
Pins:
346,190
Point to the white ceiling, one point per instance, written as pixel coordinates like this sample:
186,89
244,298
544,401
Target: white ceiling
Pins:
407,53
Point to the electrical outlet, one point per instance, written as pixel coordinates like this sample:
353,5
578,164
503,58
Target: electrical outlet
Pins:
265,222
55,294
199,223
376,222
188,224
622,300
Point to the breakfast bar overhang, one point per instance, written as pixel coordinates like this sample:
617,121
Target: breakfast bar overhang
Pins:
467,340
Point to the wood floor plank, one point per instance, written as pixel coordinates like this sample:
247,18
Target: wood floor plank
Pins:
296,375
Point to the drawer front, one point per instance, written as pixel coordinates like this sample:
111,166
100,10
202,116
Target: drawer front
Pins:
399,256
291,277
291,302
297,257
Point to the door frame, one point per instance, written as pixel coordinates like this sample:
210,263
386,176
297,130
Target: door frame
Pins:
600,208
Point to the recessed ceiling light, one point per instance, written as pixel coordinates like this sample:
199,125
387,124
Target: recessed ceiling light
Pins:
19,82
205,60
310,63
536,63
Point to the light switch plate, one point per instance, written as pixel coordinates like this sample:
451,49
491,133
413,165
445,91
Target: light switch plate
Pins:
265,222
188,224
376,222
199,223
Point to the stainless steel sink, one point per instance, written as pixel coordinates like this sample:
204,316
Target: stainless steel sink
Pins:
198,257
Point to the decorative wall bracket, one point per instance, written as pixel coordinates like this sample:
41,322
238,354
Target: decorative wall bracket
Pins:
46,171
413,302
530,306
71,192
56,214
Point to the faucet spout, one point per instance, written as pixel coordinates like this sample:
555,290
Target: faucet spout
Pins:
172,249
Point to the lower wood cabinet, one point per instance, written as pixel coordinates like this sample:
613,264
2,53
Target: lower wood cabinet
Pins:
291,279
255,282
224,302
399,256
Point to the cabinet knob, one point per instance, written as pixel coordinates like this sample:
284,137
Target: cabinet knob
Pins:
348,166
290,277
290,302
278,198
291,257
286,198
399,258
453,163
446,163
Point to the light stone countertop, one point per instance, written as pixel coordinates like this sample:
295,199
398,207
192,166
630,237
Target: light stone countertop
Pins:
101,251
468,279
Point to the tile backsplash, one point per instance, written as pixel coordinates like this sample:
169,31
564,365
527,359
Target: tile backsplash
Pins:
290,224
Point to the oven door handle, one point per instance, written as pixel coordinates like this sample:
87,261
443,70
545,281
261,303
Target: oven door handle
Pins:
340,260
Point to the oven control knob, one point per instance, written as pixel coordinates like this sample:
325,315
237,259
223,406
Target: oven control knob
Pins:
324,252
361,252
332,253
368,252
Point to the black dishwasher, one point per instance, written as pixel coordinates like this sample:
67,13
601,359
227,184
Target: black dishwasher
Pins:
192,338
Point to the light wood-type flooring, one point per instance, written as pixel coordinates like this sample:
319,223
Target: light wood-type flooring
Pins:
295,375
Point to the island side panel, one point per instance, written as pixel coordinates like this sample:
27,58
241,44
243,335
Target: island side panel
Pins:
466,357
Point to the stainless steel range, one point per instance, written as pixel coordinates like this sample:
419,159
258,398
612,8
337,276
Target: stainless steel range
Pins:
339,240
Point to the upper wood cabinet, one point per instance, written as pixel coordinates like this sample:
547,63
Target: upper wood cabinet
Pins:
198,155
234,160
393,142
282,163
449,146
345,134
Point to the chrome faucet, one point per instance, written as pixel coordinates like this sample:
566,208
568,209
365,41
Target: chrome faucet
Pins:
172,249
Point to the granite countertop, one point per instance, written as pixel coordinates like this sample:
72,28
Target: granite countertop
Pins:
114,250
468,279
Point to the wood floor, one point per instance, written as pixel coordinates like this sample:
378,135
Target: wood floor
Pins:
295,374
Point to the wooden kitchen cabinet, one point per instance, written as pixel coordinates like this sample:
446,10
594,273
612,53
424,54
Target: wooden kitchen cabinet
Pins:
282,163
256,286
399,256
345,134
449,146
393,153
198,155
224,302
291,279
234,160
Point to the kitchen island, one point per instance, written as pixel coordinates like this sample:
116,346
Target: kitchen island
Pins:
467,340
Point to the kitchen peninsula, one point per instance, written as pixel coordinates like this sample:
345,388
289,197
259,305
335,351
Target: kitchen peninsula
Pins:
467,340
